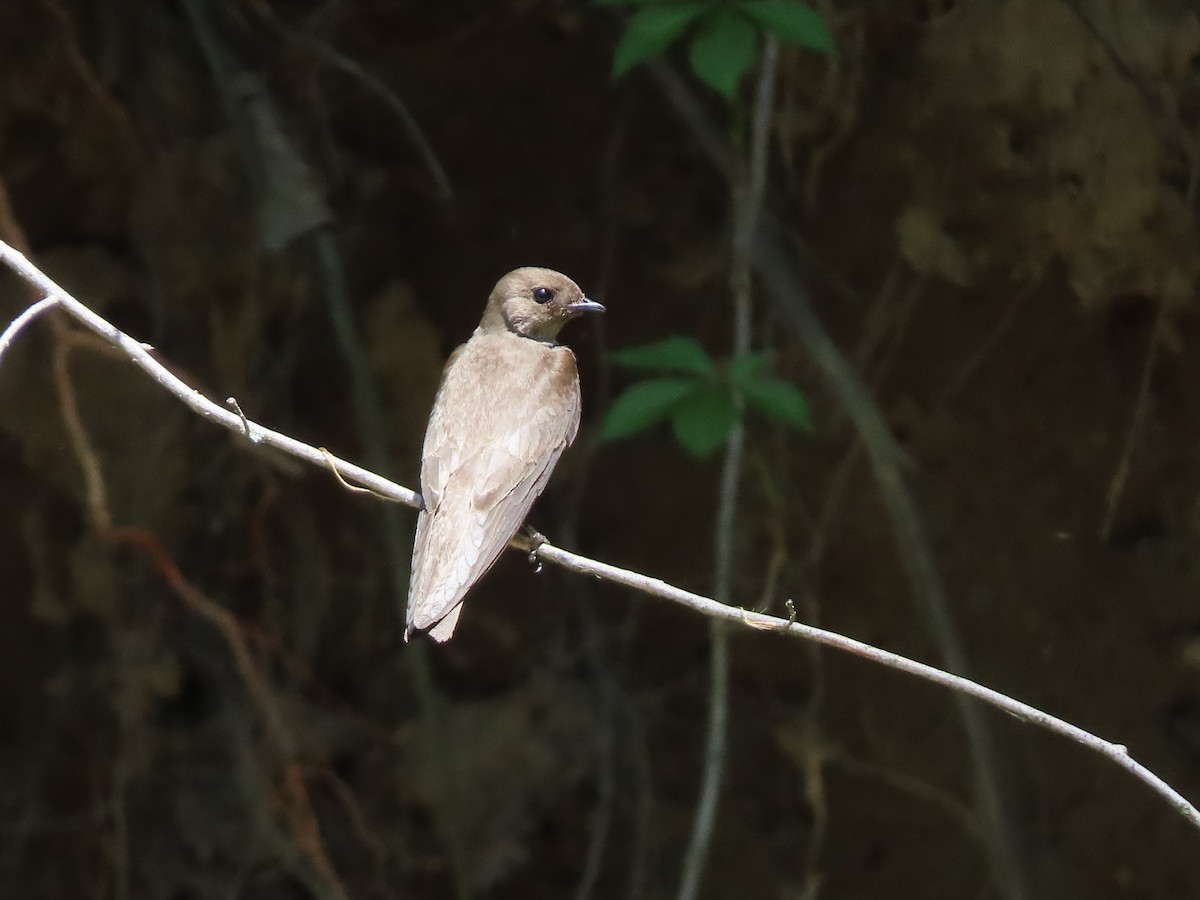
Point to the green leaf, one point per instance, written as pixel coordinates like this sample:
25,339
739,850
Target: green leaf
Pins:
651,31
748,367
791,21
645,404
703,421
723,50
674,354
777,399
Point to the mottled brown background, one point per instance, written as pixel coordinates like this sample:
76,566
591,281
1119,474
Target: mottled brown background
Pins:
995,205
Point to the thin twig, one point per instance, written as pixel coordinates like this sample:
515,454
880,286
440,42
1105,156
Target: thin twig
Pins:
962,814
14,328
1116,487
1170,130
390,99
583,565
977,358
331,56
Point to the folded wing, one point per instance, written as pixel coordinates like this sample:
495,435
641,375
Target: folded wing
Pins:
504,414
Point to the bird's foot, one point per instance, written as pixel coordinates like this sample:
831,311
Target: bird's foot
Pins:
530,539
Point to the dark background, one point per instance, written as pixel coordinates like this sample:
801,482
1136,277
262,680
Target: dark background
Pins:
994,207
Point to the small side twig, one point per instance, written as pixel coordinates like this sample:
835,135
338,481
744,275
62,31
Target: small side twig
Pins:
19,323
232,403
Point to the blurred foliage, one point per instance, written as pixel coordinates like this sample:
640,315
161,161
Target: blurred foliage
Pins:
724,36
704,406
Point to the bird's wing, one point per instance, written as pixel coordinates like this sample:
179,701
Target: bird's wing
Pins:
489,452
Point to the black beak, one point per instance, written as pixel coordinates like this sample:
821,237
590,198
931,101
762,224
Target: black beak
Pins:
585,305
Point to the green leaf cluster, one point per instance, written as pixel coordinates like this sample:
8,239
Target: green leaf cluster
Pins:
725,34
702,401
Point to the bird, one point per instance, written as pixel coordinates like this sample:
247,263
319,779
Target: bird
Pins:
507,407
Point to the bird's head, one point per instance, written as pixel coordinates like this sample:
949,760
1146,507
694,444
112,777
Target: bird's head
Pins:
534,303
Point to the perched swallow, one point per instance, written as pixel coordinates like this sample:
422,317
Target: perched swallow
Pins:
507,407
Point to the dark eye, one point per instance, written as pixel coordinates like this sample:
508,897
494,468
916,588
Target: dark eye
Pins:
543,295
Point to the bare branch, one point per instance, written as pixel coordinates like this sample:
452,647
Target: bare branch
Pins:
585,566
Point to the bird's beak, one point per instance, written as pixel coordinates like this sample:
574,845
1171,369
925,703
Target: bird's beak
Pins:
585,305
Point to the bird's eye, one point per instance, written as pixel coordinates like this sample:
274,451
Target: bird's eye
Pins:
543,295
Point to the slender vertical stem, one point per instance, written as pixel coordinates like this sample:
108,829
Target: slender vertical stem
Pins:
748,189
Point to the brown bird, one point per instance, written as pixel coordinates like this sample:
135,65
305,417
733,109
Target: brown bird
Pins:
507,407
